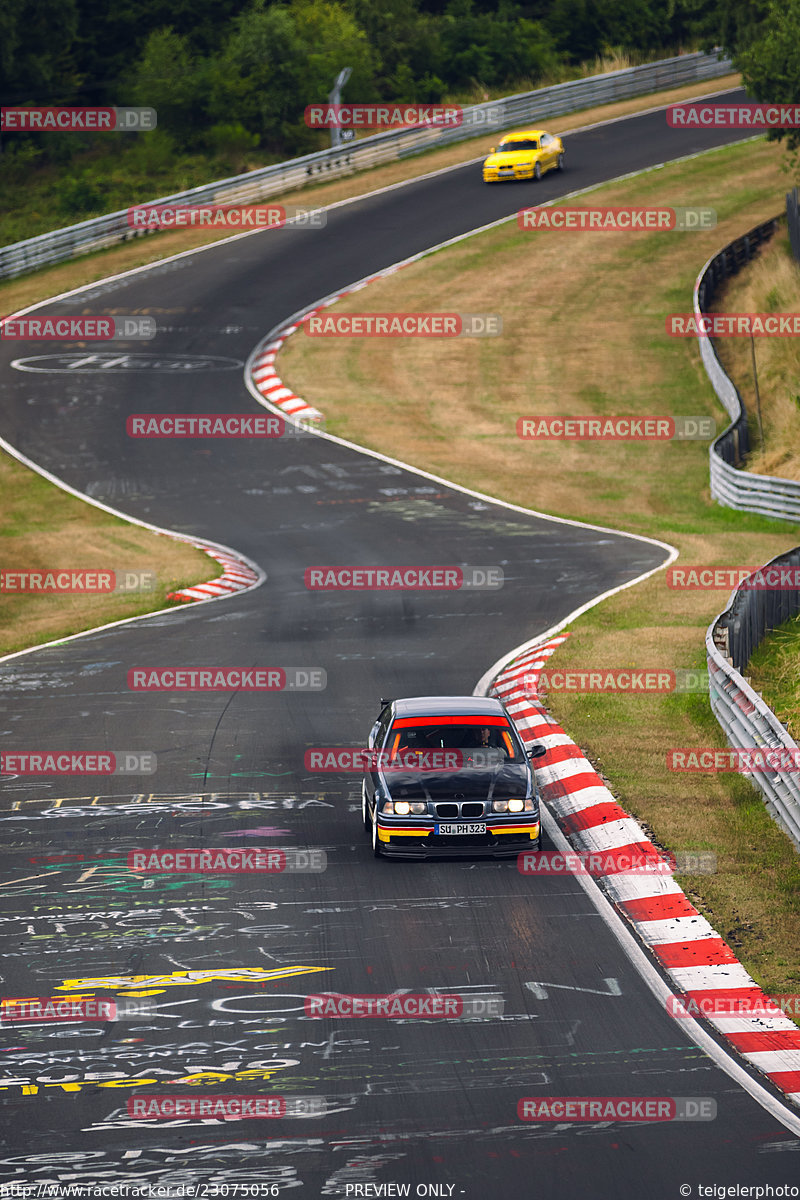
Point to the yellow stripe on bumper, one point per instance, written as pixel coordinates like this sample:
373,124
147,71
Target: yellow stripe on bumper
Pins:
533,830
386,832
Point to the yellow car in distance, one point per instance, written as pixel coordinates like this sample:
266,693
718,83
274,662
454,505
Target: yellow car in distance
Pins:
526,154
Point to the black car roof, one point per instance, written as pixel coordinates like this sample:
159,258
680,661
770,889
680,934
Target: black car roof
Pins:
450,706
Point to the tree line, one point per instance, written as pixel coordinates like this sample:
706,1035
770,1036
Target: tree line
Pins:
229,73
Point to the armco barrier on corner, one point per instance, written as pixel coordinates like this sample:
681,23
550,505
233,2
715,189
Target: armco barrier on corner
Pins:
765,494
744,716
490,118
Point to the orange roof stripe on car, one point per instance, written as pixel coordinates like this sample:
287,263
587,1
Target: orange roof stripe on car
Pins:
467,719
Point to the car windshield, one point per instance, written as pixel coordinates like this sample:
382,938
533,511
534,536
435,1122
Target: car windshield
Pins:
409,736
522,144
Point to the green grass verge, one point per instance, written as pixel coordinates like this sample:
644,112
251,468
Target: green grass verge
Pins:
774,671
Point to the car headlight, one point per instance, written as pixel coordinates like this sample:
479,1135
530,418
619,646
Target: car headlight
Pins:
513,806
401,808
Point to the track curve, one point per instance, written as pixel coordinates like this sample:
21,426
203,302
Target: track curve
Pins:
410,1104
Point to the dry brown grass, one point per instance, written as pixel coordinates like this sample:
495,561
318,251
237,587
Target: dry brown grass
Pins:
770,283
43,528
575,341
774,674
752,899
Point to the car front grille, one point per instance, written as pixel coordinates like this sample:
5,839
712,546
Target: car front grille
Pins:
447,810
468,810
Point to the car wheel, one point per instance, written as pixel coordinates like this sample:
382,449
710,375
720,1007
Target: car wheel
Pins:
537,172
560,162
364,810
376,846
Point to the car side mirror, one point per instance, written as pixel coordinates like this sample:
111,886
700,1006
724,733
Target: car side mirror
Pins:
537,750
493,150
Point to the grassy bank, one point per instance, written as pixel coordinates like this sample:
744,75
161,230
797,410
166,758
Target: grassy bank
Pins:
45,529
770,283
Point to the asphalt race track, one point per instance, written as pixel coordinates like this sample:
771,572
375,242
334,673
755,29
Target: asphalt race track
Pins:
225,961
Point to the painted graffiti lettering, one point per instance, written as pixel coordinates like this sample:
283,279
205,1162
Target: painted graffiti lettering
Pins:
185,978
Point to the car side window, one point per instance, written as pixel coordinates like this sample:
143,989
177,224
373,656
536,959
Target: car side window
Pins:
546,139
383,725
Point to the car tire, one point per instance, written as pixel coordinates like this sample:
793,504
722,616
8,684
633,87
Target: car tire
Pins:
376,846
537,171
560,162
364,810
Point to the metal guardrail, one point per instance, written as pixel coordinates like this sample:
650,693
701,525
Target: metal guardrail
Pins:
746,719
742,490
793,221
102,232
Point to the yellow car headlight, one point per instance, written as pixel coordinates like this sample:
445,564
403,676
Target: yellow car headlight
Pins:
512,806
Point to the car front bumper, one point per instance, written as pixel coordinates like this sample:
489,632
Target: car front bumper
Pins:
494,175
419,841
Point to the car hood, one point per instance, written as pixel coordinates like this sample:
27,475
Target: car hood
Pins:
509,158
487,783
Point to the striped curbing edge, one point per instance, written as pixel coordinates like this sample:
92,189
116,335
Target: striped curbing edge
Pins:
263,373
690,952
236,577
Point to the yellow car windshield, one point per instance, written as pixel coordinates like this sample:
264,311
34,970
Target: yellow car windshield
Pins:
527,144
